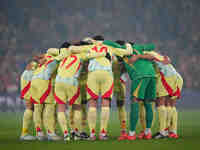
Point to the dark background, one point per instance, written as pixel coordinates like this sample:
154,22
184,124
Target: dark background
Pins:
31,26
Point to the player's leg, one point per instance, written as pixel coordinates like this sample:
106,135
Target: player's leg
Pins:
92,96
134,113
49,115
105,114
92,117
149,86
154,113
27,120
38,95
142,116
106,89
84,117
28,113
173,120
37,117
63,121
82,83
162,116
169,114
74,98
84,134
75,134
164,113
122,114
71,119
49,121
61,98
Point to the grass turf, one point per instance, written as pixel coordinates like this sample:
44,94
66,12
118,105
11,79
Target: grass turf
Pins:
189,131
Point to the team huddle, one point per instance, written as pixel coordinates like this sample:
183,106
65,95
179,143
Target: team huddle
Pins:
74,76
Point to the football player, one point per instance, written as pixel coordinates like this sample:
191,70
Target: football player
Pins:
25,95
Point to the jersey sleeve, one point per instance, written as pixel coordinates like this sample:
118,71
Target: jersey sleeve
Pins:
157,56
49,68
117,49
121,52
81,49
63,54
86,56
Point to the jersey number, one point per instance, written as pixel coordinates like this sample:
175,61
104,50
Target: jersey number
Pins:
71,63
102,49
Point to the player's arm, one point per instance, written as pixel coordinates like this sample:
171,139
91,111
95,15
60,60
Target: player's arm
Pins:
166,60
134,58
123,52
157,56
86,56
81,49
119,50
64,52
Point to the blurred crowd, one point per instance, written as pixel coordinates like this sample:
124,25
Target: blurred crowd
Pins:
29,27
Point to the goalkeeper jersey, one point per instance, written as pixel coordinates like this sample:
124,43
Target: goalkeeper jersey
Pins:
141,68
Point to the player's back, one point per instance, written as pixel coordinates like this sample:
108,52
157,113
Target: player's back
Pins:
26,77
70,66
167,69
45,71
141,68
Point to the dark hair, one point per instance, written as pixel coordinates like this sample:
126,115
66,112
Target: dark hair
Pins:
65,45
98,38
132,43
120,42
82,43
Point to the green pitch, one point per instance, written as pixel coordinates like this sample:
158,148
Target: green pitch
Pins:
189,131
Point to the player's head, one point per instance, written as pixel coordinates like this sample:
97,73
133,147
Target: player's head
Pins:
120,42
32,65
41,58
53,52
65,45
88,39
98,38
35,58
81,43
131,42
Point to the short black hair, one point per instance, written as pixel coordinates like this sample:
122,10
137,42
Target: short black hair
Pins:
82,43
131,42
120,42
65,45
98,38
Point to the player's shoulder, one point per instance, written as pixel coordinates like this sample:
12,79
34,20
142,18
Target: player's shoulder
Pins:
111,44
